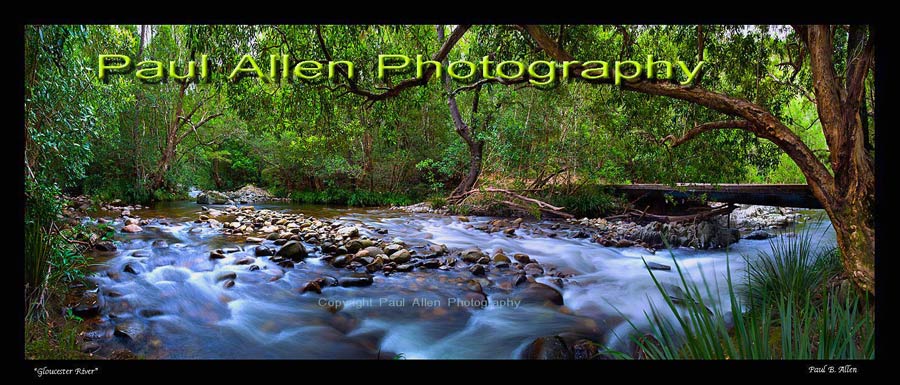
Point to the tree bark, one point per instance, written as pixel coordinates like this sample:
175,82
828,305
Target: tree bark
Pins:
466,132
849,195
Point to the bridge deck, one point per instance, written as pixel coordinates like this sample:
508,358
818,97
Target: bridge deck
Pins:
785,195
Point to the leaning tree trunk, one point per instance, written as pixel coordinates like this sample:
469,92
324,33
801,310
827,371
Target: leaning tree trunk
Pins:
476,149
465,131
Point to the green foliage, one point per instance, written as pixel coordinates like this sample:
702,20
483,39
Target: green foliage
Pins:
778,323
792,270
38,251
588,201
362,198
48,341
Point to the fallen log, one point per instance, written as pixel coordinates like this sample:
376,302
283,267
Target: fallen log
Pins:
721,210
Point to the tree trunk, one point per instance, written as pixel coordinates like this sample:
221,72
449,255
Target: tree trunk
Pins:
855,232
475,153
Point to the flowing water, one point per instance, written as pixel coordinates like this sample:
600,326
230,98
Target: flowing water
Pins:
174,304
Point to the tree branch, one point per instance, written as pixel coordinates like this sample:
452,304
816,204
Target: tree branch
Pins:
690,134
395,90
764,124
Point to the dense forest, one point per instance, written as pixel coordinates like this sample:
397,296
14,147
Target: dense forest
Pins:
772,104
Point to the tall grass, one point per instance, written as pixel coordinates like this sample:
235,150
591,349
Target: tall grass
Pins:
785,312
38,249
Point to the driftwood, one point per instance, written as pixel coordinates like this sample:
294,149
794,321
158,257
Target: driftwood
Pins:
541,205
721,210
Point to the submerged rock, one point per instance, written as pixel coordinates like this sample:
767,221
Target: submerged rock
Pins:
356,279
547,348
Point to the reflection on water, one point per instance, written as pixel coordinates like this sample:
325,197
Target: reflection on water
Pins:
172,301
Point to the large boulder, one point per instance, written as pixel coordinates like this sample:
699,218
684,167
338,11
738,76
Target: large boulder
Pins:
212,197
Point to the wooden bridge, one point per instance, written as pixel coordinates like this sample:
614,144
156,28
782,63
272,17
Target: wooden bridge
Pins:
785,195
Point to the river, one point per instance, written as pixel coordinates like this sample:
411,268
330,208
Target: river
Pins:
174,304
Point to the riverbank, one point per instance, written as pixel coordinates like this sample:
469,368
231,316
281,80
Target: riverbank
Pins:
228,253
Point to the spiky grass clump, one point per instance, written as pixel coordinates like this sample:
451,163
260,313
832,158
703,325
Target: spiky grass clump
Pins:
783,317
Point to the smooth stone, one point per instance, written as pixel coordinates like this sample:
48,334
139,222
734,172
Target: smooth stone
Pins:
534,269
160,244
658,266
293,250
547,348
404,267
477,269
254,240
132,229
758,235
401,256
541,294
141,254
356,279
130,329
245,261
472,255
263,251
522,258
105,246
226,275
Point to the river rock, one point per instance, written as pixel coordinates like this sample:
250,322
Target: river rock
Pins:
477,269
500,257
254,240
353,246
216,254
376,265
263,251
356,279
312,286
472,255
759,235
348,232
547,348
392,248
658,266
401,256
212,197
373,251
227,275
89,347
105,246
534,269
522,258
160,244
437,250
431,264
88,307
292,250
541,294
404,267
132,229
130,268
585,350
228,284
130,328
244,261
341,261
